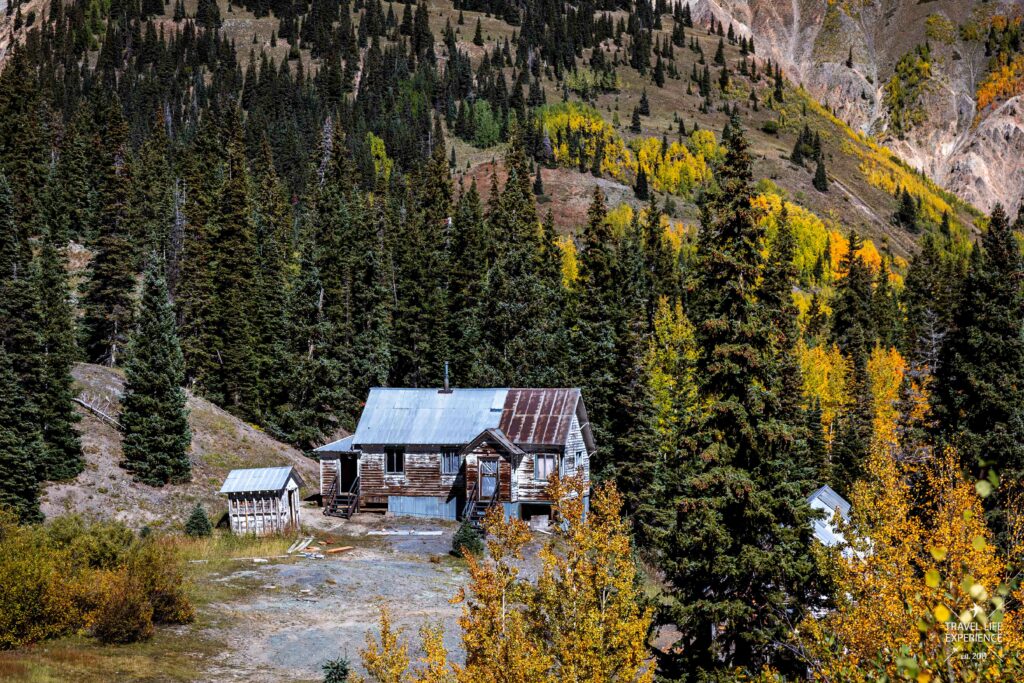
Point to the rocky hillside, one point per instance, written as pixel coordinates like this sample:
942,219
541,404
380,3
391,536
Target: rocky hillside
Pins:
912,73
220,443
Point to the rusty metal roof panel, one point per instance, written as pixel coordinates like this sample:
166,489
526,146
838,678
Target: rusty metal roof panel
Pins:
539,417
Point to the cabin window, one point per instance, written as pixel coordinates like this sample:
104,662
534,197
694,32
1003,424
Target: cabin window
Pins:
394,461
450,461
579,459
544,466
568,463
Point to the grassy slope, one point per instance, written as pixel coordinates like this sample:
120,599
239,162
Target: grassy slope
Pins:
220,442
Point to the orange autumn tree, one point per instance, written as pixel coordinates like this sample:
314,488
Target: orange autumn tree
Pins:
584,620
913,583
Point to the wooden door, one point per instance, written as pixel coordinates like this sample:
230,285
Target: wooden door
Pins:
488,478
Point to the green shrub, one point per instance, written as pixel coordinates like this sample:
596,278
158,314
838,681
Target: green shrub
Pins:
336,670
198,523
467,540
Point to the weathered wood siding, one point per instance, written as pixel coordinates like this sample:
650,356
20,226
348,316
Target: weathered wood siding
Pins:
422,477
264,513
486,450
328,473
534,490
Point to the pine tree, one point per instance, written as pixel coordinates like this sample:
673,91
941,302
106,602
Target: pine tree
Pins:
538,183
478,36
21,446
720,53
634,122
820,181
597,305
740,488
906,212
108,301
979,391
645,106
154,416
640,189
198,523
232,379
63,459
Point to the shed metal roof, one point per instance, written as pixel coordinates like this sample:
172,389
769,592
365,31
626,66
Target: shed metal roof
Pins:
825,498
260,479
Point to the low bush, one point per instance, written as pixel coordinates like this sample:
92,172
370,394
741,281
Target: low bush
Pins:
336,670
72,575
467,540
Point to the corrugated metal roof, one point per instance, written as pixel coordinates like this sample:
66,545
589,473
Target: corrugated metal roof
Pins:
828,500
339,446
259,479
427,416
539,417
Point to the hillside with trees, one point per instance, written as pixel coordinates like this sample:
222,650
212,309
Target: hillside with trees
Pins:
268,208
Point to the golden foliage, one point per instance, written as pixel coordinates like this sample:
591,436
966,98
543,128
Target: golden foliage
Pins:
886,369
70,576
1004,81
582,621
912,583
587,127
671,366
570,260
826,376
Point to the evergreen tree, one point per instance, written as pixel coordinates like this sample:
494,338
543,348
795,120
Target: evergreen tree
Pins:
741,488
820,181
108,301
21,446
906,213
154,416
645,106
478,36
640,188
979,391
198,523
57,414
598,307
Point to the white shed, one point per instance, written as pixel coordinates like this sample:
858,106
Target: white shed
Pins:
264,500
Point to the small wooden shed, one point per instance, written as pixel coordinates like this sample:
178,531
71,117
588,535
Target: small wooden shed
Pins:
264,500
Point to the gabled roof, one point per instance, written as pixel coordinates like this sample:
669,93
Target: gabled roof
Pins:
496,437
428,417
541,417
260,479
828,500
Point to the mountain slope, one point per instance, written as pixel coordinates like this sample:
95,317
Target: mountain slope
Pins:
220,443
967,151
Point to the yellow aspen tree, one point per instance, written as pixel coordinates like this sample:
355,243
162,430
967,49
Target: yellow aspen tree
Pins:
495,630
587,608
434,666
921,593
671,366
826,375
885,369
386,660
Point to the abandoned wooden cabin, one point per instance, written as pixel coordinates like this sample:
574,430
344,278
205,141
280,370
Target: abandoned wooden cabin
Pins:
263,501
453,453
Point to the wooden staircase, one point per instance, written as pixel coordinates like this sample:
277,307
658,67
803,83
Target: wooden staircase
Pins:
475,508
342,503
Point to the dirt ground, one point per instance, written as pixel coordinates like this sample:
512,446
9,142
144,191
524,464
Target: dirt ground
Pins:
300,612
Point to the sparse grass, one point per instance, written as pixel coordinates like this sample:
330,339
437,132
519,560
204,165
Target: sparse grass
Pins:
223,546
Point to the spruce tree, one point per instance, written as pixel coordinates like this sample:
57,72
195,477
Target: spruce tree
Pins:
21,447
57,411
108,297
154,417
979,391
640,189
820,181
740,489
198,523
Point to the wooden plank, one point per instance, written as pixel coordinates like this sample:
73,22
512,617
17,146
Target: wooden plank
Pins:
342,549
